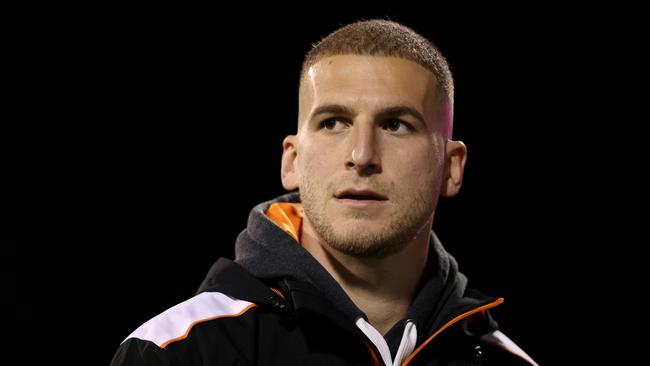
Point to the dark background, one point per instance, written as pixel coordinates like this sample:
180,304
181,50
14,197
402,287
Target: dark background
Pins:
136,144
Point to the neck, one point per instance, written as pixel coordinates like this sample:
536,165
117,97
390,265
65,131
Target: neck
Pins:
382,288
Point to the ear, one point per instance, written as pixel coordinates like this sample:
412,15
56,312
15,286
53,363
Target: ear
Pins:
455,158
288,170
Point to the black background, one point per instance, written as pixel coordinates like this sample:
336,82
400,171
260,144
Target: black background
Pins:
136,143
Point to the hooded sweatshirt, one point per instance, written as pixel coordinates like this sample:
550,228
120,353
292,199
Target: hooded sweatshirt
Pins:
446,322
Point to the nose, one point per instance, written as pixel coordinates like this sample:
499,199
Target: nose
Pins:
364,153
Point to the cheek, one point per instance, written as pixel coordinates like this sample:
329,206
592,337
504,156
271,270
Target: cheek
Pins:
312,168
316,161
424,176
421,170
309,163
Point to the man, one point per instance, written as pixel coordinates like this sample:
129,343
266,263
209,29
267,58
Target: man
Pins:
347,270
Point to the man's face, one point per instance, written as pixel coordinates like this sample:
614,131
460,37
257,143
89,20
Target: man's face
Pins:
368,158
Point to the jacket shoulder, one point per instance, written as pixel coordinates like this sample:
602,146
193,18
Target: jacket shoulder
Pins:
224,310
165,338
175,323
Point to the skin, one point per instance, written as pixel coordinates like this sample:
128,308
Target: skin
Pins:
372,123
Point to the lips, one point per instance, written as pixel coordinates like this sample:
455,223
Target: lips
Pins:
360,194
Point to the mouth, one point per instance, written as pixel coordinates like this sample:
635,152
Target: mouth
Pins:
360,195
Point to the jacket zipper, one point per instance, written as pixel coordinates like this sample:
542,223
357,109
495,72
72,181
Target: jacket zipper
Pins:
373,355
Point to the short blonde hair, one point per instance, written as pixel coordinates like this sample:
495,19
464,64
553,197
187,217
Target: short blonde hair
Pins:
384,38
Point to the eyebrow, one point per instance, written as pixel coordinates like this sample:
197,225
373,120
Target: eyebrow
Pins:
332,109
401,110
386,112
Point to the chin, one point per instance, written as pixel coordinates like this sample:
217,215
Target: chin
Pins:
356,224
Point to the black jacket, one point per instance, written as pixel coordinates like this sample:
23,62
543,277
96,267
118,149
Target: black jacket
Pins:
276,305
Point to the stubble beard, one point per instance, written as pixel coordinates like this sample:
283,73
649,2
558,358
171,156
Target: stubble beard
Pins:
413,216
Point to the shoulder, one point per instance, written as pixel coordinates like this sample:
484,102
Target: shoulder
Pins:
176,323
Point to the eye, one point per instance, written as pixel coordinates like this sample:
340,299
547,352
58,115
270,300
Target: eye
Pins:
396,125
332,124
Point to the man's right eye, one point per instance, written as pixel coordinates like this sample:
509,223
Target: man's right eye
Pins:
332,124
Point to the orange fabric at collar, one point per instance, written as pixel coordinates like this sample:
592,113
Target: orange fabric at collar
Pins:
288,216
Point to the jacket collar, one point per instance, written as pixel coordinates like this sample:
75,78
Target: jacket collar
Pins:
269,253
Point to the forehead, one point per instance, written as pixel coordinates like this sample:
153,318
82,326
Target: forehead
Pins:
371,79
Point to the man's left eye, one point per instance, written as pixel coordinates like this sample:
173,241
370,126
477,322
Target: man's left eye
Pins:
396,125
